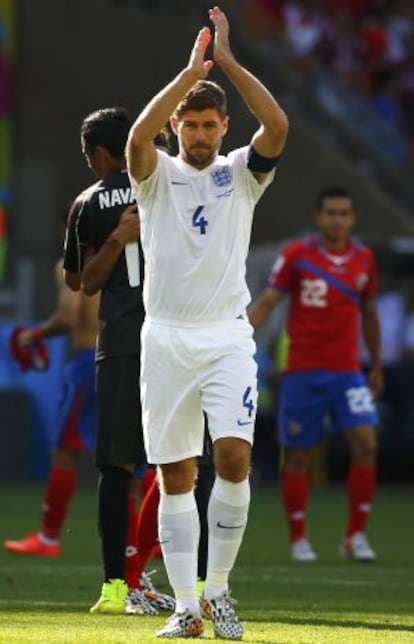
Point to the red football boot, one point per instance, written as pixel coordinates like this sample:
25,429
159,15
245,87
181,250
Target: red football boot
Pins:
32,545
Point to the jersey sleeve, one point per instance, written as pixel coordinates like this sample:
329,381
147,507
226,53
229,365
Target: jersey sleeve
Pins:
76,240
282,275
239,159
146,189
370,289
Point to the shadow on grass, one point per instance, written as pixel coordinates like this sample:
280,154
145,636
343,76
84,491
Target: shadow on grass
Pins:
349,623
41,608
83,607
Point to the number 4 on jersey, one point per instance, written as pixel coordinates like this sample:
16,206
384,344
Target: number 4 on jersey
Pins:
199,221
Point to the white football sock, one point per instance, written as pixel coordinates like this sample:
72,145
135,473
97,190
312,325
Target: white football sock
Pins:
179,534
227,518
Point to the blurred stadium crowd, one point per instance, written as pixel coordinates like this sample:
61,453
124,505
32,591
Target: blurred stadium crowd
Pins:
366,45
357,56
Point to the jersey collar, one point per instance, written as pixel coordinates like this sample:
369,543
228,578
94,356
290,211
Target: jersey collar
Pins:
336,258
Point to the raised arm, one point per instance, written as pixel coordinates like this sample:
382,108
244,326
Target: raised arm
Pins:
140,151
270,138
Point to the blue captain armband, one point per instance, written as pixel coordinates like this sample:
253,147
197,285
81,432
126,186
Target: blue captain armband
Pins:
257,163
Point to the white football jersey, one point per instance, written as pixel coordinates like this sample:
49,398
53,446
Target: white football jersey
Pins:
195,234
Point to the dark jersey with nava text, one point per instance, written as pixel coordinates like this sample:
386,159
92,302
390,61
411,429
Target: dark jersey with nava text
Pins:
94,214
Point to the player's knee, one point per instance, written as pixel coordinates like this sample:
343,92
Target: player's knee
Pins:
177,478
64,459
364,447
364,452
232,459
298,460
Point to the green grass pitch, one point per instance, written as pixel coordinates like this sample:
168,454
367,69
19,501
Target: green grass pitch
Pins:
332,600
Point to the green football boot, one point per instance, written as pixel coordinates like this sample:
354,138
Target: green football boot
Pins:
112,599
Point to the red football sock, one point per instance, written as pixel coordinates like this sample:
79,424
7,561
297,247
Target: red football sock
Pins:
61,486
156,552
147,524
295,489
131,555
361,487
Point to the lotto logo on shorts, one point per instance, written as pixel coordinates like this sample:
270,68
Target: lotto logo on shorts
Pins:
222,177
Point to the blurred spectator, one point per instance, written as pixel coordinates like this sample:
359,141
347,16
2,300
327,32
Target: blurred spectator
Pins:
303,26
340,49
406,82
400,28
409,337
392,315
264,19
385,101
358,8
396,397
391,311
367,45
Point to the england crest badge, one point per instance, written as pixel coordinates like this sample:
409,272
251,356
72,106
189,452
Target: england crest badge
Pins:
222,176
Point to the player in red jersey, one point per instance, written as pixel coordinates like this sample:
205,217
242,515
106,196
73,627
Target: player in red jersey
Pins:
332,283
76,316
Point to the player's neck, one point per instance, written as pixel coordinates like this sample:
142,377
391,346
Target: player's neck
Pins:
335,246
196,164
112,168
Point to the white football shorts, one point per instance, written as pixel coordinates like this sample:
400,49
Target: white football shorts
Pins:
188,370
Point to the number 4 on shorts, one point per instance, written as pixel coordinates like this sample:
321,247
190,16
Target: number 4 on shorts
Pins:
247,401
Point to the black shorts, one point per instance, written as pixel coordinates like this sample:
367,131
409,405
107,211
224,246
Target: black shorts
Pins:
119,426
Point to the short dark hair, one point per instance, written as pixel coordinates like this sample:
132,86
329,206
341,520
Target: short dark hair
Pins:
203,95
108,127
332,192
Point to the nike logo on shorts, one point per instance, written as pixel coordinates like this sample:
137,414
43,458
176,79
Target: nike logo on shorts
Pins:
241,423
229,527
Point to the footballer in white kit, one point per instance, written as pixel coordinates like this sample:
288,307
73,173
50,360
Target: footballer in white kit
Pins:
197,347
195,233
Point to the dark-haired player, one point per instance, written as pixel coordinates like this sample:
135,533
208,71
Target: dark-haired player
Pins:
196,212
332,283
102,254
